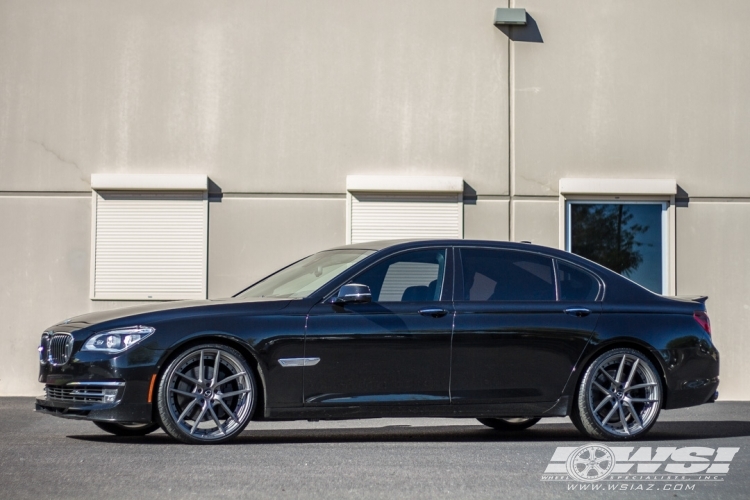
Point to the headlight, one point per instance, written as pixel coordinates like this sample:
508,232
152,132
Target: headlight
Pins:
117,340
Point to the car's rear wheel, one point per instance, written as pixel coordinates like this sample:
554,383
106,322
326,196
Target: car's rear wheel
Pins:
207,394
127,429
509,424
619,397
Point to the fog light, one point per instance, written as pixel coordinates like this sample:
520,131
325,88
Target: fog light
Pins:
110,395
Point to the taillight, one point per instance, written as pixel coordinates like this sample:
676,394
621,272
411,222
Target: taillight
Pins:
702,318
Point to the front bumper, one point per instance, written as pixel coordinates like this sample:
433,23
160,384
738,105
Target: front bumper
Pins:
90,400
96,386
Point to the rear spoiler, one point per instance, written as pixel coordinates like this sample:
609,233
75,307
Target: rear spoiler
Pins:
695,298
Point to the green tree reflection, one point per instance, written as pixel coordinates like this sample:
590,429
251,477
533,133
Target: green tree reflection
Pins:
604,233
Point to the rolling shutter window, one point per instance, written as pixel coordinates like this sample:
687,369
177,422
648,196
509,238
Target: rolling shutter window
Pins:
385,216
149,245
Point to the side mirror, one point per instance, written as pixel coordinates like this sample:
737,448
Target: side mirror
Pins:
353,293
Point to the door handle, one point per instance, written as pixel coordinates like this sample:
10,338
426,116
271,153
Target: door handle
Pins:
578,312
434,312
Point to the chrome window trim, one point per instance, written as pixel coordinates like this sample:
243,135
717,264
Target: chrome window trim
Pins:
555,276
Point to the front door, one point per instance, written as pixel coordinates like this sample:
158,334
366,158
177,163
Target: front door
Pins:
394,350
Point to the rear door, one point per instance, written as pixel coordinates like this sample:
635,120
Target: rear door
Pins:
514,339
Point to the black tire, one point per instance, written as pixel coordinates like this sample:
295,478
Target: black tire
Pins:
509,424
206,406
128,430
619,397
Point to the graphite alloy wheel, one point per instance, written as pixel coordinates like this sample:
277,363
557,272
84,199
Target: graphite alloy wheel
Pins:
206,395
509,424
619,397
130,430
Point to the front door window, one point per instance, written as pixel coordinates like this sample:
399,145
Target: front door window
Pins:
415,276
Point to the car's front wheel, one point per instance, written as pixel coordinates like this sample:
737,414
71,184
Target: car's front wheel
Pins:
509,424
129,430
619,397
207,394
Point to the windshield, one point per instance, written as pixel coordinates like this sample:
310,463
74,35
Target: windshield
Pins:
304,277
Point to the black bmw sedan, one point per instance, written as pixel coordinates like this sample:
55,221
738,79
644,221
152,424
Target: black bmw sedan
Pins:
507,333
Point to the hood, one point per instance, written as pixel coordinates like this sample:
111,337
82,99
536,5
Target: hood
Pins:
166,310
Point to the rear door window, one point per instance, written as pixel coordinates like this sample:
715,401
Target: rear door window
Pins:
575,283
506,275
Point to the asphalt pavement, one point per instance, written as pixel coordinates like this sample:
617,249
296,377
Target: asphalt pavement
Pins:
701,452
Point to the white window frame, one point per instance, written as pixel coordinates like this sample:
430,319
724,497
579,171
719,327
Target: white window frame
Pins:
148,183
625,191
400,186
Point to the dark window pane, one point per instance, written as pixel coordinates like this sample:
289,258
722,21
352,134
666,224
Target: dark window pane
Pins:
576,284
625,237
407,277
501,275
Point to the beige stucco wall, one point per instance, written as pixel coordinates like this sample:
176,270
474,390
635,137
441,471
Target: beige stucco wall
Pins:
638,89
250,238
712,259
486,219
265,98
645,90
251,92
44,265
536,221
277,102
45,261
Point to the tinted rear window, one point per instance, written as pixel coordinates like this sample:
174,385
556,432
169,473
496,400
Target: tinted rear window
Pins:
576,284
505,275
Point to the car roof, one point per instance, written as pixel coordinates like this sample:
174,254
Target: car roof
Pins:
410,243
